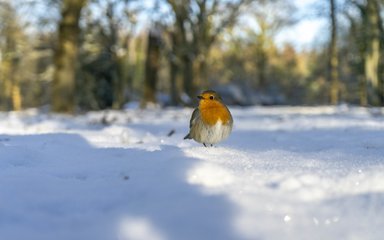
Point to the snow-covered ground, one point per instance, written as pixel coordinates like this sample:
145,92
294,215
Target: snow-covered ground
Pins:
284,173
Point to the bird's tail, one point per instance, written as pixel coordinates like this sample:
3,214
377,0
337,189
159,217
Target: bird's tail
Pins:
187,136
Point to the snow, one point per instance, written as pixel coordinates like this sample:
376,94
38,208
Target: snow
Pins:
284,173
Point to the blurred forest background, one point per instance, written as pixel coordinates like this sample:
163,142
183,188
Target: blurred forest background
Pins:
80,55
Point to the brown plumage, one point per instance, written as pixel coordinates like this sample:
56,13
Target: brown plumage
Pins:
211,121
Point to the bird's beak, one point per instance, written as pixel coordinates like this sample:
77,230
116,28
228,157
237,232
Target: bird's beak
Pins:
200,97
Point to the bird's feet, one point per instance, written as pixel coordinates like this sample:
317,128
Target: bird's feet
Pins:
205,145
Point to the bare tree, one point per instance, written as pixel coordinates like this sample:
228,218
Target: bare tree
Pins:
372,53
106,52
11,50
369,40
152,63
270,19
63,89
333,58
197,26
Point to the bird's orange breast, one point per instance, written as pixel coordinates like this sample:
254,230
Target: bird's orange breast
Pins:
213,111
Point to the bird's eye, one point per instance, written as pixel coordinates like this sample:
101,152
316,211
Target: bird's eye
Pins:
211,97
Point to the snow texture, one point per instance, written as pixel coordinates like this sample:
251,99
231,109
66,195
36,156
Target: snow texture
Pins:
284,173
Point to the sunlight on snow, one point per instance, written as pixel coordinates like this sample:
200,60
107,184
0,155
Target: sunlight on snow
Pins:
139,229
209,175
287,194
301,173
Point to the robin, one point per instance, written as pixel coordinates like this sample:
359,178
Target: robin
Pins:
211,121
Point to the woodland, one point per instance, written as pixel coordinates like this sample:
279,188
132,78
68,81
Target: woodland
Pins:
73,56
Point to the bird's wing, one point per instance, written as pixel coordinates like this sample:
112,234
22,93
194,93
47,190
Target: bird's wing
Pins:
195,115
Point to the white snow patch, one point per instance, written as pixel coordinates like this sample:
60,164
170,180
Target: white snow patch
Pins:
139,229
283,173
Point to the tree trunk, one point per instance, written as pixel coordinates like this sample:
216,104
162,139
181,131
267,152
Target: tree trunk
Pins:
262,57
261,63
121,81
189,86
201,71
16,98
63,89
174,71
118,86
152,64
372,53
381,60
363,91
333,59
12,36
